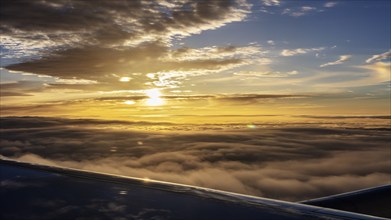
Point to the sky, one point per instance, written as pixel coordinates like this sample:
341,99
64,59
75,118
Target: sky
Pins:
128,60
282,99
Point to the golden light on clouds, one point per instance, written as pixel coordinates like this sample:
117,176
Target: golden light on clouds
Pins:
129,102
130,58
154,97
239,94
381,69
125,79
151,75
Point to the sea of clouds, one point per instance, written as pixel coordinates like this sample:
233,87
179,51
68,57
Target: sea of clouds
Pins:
285,162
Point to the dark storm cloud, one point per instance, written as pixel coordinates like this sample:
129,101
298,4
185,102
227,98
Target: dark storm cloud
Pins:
285,163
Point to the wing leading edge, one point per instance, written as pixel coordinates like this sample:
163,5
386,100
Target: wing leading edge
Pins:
372,201
30,191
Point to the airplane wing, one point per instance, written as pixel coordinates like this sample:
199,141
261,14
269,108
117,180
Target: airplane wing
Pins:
372,201
31,191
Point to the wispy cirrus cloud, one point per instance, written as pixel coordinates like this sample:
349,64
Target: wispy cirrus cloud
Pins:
298,12
380,72
266,73
214,52
330,4
307,9
271,42
342,59
299,51
271,2
379,57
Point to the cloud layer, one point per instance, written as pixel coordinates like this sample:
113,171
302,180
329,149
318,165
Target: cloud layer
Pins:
379,57
342,59
102,41
298,51
112,24
291,163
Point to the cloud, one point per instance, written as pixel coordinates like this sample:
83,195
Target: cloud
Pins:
74,81
71,24
330,4
266,73
307,8
87,62
349,116
374,74
299,51
84,43
271,2
5,93
378,72
135,104
188,54
271,42
342,59
291,163
103,67
227,97
298,12
379,57
251,99
22,87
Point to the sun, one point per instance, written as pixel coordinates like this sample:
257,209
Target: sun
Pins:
154,97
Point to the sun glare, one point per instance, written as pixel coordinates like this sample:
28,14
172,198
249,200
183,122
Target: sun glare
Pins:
154,97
